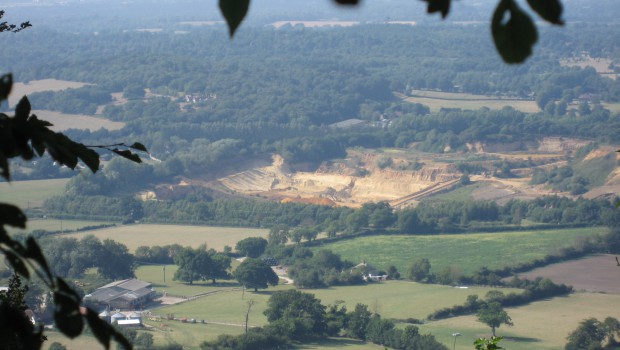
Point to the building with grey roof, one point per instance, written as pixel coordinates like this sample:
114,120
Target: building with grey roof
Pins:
130,294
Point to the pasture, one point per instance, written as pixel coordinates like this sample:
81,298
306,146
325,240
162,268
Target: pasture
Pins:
155,275
466,252
392,299
214,237
539,325
32,193
437,100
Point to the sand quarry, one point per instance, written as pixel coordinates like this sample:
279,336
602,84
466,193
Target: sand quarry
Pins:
358,179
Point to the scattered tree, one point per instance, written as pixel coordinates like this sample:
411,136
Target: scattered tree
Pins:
493,315
255,273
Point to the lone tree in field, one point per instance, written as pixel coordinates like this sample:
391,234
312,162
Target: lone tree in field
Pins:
493,315
255,273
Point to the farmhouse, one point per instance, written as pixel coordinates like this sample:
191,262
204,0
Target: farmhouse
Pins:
126,294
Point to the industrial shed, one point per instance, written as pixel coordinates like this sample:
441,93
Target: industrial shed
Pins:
130,294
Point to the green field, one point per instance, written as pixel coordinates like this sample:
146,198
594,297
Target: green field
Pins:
155,275
215,237
393,299
539,325
468,252
30,194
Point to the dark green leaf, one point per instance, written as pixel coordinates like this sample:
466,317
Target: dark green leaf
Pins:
347,2
22,110
513,31
99,328
67,313
128,155
6,83
17,263
139,147
12,216
442,6
549,10
87,155
34,252
4,167
234,11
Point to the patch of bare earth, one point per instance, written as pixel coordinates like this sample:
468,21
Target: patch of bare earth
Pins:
598,273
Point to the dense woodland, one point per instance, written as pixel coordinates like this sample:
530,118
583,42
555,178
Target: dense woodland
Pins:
278,90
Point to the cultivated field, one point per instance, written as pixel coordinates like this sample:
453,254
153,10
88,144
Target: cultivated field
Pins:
60,120
466,252
30,194
134,236
598,273
436,100
539,325
63,121
20,89
59,225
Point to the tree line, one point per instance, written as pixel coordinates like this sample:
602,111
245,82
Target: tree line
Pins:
298,316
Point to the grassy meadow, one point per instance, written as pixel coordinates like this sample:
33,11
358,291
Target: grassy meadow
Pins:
155,275
393,299
215,237
31,194
468,252
539,325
